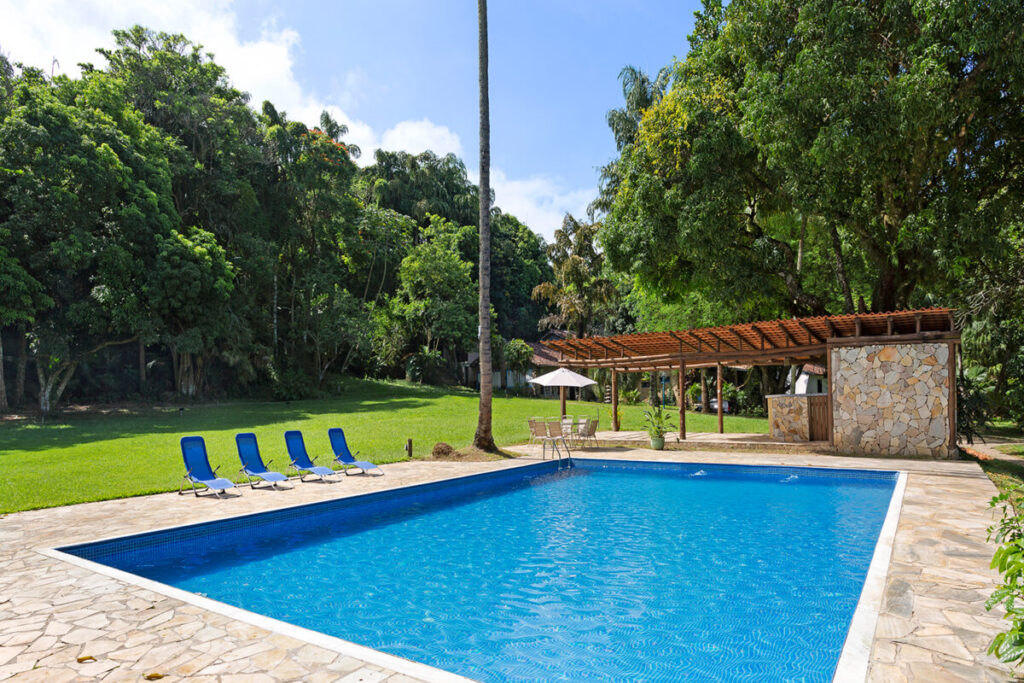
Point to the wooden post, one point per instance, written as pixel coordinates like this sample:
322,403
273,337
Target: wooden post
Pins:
721,421
952,395
561,399
682,400
615,400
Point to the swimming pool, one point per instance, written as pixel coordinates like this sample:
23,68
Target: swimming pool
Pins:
612,570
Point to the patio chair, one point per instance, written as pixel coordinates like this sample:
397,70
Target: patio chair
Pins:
592,430
252,464
538,430
198,470
579,432
301,462
344,456
556,434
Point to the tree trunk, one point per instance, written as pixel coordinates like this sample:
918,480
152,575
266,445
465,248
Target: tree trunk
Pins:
840,263
52,388
188,373
484,439
4,406
19,378
142,366
705,400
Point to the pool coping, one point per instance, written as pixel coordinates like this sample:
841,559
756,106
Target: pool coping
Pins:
855,657
852,664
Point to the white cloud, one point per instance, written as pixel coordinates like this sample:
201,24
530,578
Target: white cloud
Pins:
539,201
70,31
419,136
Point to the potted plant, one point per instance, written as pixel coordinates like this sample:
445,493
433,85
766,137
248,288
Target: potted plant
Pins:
657,425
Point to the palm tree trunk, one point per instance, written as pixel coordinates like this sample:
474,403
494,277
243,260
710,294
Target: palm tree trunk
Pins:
484,439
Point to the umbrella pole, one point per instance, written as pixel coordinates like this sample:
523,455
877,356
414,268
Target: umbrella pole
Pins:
561,398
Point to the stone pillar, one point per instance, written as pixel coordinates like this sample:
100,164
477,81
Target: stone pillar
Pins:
894,399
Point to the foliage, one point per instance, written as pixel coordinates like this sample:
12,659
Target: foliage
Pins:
580,293
800,162
657,422
518,355
435,296
1008,560
972,403
148,202
422,365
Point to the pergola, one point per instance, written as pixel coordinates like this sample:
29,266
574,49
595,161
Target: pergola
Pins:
771,342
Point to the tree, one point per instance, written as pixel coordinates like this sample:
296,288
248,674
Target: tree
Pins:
871,139
518,355
639,93
90,190
190,290
580,293
435,292
484,439
420,185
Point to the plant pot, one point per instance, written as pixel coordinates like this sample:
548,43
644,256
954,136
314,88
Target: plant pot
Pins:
658,443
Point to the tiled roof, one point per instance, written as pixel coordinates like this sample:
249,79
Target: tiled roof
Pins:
791,339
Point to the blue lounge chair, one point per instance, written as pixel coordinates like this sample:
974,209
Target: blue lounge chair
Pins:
301,461
197,468
344,456
252,463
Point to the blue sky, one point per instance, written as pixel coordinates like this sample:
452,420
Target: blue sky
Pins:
403,73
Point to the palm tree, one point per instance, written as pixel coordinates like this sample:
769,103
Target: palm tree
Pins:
580,295
484,439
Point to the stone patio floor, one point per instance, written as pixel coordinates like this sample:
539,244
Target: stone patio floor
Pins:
933,625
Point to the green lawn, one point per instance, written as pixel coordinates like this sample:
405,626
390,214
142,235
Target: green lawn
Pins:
85,458
1012,449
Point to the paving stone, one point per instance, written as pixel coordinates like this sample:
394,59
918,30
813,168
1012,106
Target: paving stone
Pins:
364,675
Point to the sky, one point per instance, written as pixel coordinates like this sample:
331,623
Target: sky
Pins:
402,74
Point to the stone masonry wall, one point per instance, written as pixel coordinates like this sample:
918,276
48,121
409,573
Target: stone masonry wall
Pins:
788,416
892,399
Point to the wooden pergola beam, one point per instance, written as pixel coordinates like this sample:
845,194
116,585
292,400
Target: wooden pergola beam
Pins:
764,337
734,348
743,340
811,334
789,336
683,341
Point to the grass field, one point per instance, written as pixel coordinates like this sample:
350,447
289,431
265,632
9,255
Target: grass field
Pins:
96,457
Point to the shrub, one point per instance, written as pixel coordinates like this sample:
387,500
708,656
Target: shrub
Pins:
293,385
1009,561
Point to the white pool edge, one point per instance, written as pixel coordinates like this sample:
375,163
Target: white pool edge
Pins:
856,653
369,655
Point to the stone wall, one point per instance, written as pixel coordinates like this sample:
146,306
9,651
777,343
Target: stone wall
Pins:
892,399
788,416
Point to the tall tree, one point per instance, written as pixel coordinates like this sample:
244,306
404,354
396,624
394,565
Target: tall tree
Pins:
484,439
886,131
580,294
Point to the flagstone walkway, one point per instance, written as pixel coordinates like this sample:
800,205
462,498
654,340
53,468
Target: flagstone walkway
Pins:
932,626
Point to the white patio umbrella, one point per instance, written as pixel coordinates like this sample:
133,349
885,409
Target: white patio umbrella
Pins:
562,378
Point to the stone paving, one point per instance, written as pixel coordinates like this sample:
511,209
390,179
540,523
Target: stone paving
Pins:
60,622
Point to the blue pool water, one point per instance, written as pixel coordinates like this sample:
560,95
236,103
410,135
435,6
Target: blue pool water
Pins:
609,571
